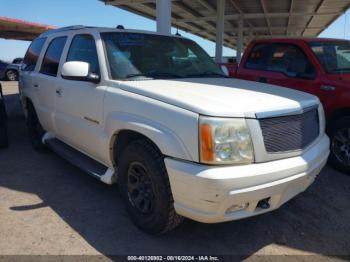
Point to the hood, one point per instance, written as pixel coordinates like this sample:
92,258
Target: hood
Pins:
224,97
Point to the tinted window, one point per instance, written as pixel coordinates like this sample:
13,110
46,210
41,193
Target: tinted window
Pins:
52,57
83,48
290,60
285,58
32,54
257,57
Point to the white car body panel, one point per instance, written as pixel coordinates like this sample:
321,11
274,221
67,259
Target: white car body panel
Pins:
89,116
224,97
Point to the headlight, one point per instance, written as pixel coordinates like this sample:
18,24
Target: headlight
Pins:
225,141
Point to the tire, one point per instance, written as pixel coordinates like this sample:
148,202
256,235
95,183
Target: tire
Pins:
142,178
35,130
12,75
3,136
340,145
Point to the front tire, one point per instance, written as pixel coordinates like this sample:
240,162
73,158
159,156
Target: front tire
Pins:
12,75
145,188
340,145
35,130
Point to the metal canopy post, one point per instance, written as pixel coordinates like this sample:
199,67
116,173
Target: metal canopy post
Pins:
240,39
220,23
164,17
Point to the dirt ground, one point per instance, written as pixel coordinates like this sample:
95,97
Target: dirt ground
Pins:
48,206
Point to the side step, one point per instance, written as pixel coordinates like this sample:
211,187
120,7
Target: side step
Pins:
85,163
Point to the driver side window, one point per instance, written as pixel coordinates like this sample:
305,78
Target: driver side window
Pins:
83,49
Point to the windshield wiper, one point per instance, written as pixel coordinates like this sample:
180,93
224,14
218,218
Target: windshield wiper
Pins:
163,74
207,74
154,75
136,75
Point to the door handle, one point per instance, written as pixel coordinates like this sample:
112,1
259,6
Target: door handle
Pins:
262,79
59,92
36,85
327,88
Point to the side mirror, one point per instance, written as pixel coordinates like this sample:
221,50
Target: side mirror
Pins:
79,71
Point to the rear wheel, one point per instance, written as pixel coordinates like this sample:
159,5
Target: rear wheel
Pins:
35,130
3,129
340,145
3,136
145,188
12,75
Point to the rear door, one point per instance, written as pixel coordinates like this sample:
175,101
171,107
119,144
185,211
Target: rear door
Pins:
281,64
79,107
44,82
29,63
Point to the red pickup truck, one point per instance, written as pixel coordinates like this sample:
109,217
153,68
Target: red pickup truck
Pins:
315,65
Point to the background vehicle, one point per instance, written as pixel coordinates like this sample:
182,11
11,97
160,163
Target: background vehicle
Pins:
3,128
318,66
157,115
3,66
12,70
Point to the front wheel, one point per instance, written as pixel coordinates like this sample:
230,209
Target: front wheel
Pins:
340,145
145,188
12,75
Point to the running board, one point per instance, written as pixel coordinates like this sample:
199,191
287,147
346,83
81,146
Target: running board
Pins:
85,163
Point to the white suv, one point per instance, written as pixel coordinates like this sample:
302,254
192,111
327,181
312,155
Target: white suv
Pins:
156,115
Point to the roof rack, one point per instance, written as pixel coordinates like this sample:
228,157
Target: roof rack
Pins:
63,29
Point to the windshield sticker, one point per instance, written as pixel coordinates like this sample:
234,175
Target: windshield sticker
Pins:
130,39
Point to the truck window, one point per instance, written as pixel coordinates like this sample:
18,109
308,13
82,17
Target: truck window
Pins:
32,54
52,56
289,60
257,57
334,56
83,48
284,58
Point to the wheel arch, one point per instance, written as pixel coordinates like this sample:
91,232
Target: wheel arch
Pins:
124,128
337,114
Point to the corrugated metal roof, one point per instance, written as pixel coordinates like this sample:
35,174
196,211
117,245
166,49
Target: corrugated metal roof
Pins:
21,30
276,18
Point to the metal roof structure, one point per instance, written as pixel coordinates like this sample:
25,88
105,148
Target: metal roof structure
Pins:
259,18
21,30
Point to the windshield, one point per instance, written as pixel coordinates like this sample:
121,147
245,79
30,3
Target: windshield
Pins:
334,56
133,56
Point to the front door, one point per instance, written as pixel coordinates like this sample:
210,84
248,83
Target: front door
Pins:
79,104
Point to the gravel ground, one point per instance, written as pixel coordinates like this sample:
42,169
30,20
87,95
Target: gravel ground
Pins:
48,206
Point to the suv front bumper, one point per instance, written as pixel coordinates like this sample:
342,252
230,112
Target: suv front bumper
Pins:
206,193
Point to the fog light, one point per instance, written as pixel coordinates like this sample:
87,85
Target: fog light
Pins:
237,207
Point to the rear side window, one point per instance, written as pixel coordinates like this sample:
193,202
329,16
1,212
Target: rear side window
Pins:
83,49
52,56
33,52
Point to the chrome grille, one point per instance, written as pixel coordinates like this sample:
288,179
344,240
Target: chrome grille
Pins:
290,133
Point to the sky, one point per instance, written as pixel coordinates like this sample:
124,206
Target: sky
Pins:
95,13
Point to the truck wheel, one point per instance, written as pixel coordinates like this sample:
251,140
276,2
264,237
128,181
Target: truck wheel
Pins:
3,136
145,188
35,130
340,145
12,75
